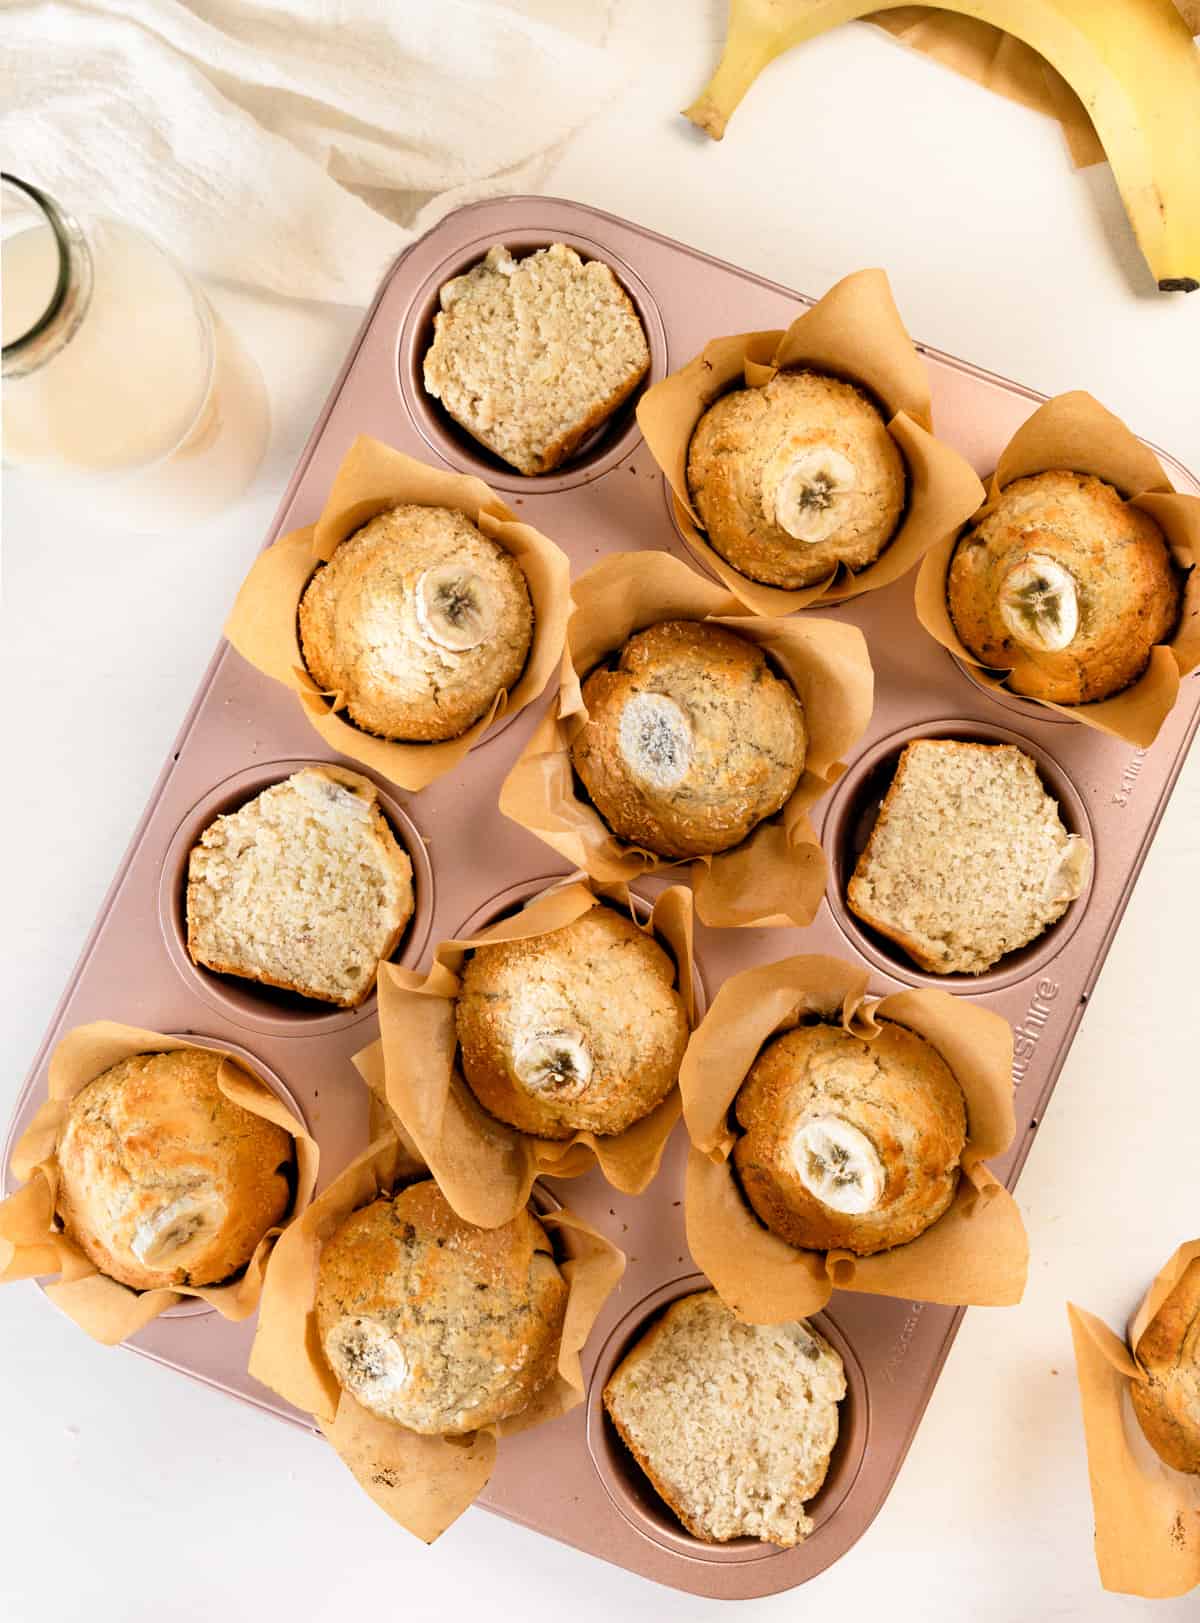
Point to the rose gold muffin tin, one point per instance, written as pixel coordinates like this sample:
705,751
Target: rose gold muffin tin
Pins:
572,1479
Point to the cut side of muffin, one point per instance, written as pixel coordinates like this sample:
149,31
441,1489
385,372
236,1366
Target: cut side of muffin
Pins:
530,355
305,888
969,858
734,1424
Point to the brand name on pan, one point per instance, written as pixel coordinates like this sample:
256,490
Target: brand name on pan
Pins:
1129,778
903,1341
1028,1033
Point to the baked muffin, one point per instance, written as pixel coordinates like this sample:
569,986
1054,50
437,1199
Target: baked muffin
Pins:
580,1029
969,858
164,1181
733,1423
1168,1404
435,1324
530,355
417,622
690,741
848,1144
304,887
793,479
1065,587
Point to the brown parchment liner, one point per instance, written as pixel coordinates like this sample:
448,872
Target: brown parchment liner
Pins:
1002,63
484,1167
1076,433
33,1246
424,1483
1147,1514
776,875
975,1254
372,477
854,332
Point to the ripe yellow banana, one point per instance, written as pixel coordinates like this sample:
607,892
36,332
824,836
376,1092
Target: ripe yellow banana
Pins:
1132,63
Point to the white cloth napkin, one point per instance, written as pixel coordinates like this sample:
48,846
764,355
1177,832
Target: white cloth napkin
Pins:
296,145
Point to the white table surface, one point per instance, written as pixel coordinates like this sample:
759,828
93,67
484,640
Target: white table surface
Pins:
128,1493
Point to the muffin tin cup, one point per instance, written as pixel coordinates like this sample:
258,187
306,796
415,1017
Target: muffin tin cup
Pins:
775,875
252,1004
424,1482
1074,432
605,447
853,333
632,1493
36,1243
246,722
853,810
371,478
483,1165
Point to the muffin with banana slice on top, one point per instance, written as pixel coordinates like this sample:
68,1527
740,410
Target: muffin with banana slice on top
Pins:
1065,586
691,739
847,1144
580,1029
418,622
796,478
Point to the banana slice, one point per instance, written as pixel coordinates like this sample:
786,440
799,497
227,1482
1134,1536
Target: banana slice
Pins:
454,607
655,737
811,497
368,1358
838,1164
555,1060
1039,603
179,1226
1070,873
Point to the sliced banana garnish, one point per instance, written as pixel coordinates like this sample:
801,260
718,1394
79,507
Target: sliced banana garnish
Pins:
655,737
554,1060
176,1227
1039,603
838,1164
811,495
1069,874
370,1361
454,607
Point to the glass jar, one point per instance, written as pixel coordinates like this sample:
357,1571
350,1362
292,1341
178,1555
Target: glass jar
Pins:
118,377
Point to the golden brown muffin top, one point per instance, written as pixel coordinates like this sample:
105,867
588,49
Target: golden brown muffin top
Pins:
417,622
795,478
578,1029
433,1323
691,740
1065,586
1168,1404
848,1143
164,1180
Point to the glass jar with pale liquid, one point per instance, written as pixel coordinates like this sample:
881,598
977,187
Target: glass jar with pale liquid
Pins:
118,377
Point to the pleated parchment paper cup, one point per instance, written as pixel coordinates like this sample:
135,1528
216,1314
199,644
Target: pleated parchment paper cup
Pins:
484,1167
1075,433
854,333
777,874
1147,1515
975,1254
424,1483
263,625
32,1245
